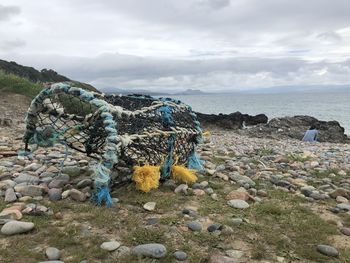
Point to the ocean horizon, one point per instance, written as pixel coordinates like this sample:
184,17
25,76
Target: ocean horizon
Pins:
325,106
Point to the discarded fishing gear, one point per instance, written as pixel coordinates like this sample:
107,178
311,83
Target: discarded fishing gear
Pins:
157,137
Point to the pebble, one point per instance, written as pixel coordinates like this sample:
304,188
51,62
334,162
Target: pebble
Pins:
237,221
180,255
53,253
51,261
194,226
214,227
55,183
10,195
190,212
196,186
9,213
30,190
77,195
237,195
198,192
328,250
16,227
344,206
237,203
345,231
341,199
55,194
84,183
149,206
153,250
182,188
152,221
32,167
110,246
233,253
209,191
26,178
122,251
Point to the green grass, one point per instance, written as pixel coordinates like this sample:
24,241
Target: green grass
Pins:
264,151
15,84
19,85
297,157
144,235
295,231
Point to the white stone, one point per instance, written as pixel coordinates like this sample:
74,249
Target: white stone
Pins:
110,246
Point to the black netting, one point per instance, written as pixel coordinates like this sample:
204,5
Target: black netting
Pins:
81,125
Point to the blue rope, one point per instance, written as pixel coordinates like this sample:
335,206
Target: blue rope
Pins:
102,195
165,169
194,162
167,118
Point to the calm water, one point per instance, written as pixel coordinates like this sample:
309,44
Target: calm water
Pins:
323,106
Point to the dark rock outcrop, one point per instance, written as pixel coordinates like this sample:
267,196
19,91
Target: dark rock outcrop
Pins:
295,127
231,121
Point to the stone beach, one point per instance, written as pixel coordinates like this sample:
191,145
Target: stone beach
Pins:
257,200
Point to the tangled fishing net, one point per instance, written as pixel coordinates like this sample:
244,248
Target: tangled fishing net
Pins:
157,137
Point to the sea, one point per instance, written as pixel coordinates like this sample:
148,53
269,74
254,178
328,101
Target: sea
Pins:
323,106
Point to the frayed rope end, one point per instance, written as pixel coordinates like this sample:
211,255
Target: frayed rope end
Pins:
101,196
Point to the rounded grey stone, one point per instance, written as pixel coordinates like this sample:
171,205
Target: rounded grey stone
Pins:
26,178
180,255
214,227
110,246
83,183
194,226
53,253
237,203
153,250
344,206
10,195
16,227
209,191
237,221
327,250
55,194
122,251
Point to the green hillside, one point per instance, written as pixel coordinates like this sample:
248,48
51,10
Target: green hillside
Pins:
29,81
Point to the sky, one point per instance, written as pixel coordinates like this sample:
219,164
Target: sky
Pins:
170,45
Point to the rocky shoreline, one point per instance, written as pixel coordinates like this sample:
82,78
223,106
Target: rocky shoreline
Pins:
284,127
263,197
248,183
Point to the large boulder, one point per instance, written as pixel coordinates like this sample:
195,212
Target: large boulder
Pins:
233,120
295,127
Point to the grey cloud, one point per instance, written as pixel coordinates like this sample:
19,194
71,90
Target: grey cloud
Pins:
7,45
172,44
240,15
330,36
123,71
7,11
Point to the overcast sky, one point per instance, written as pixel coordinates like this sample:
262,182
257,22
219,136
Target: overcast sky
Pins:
178,44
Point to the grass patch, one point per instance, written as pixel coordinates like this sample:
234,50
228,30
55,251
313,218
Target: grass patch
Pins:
31,247
143,235
326,173
19,85
209,206
289,228
298,157
346,219
265,151
171,219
